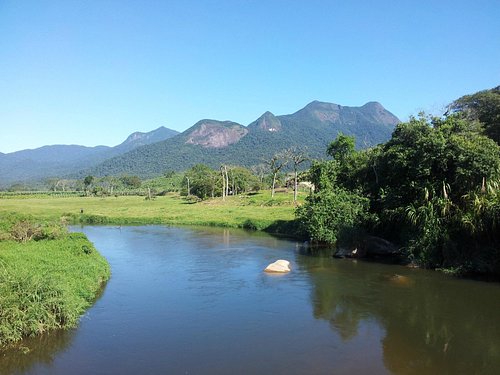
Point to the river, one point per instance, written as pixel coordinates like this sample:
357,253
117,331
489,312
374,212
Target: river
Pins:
196,301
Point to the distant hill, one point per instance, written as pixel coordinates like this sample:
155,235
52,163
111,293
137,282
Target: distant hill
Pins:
214,142
62,160
138,139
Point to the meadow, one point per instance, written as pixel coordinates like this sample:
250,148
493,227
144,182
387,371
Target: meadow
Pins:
252,211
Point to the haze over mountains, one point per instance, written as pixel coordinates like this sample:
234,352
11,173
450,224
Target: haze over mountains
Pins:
210,142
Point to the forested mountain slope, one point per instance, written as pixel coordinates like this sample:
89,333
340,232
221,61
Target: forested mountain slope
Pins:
214,142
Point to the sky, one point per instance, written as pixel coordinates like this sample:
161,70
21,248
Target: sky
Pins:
93,72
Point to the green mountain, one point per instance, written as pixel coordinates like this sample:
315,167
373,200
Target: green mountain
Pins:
62,160
214,142
138,139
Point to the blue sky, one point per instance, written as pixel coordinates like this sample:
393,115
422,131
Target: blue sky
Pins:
92,72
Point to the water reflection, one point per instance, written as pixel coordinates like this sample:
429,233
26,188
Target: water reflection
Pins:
432,324
196,301
40,351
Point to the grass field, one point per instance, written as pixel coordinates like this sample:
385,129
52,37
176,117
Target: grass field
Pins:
253,211
47,284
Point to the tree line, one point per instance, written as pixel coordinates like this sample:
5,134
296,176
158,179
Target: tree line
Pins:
205,182
200,180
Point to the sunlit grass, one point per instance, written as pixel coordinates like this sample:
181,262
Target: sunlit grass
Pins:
257,211
47,284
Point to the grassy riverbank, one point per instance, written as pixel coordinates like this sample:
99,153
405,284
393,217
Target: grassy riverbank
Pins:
47,284
48,277
253,211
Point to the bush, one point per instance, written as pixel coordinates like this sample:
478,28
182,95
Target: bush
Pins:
24,231
328,213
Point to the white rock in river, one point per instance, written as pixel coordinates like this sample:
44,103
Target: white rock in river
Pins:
280,266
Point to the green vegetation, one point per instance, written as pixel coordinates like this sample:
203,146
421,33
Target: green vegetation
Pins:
48,277
308,127
253,210
432,189
483,106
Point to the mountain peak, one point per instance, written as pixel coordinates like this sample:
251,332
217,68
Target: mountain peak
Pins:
376,112
215,134
160,133
137,139
317,105
322,111
374,105
267,122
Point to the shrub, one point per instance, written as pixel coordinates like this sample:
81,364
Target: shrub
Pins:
24,231
328,213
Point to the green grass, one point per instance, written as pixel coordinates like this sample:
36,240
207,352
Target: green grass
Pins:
256,211
47,284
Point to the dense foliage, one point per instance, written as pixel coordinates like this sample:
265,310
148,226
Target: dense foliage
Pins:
432,189
330,212
483,106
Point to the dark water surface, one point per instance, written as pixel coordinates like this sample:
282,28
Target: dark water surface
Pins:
195,301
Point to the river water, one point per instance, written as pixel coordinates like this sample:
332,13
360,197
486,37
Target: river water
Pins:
196,301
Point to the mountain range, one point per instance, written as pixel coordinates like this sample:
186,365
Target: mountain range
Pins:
211,142
63,160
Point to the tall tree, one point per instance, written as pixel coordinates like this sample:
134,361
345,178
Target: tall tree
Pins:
223,172
297,156
87,181
277,162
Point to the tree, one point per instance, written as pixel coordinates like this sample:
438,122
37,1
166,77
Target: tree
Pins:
329,212
341,148
131,182
425,153
483,106
276,163
436,180
109,184
188,185
169,174
87,181
202,181
428,171
323,174
225,181
242,179
297,156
